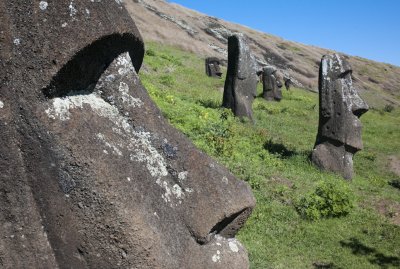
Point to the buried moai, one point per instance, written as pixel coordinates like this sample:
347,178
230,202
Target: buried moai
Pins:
271,84
241,78
340,107
92,175
213,68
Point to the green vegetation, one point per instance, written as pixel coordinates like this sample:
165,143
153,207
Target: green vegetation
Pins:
272,155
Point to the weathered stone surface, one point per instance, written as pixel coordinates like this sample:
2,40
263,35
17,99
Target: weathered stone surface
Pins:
271,84
340,107
213,68
92,176
241,78
288,83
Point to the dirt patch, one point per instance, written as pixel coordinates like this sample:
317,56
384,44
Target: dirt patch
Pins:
389,209
394,164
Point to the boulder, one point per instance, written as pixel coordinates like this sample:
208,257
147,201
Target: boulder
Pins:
340,107
241,78
92,175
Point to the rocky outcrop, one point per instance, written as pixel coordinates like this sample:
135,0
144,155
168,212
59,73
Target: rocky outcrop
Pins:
92,176
241,78
340,107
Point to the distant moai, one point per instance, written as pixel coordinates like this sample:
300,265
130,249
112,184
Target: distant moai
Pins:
241,78
213,68
288,83
340,107
271,84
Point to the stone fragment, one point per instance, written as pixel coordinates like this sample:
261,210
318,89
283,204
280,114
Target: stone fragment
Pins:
92,175
271,84
241,78
213,68
340,107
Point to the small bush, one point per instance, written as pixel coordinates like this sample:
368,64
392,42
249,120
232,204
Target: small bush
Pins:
388,108
150,52
330,199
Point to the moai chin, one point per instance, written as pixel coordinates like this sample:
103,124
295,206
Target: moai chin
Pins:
91,174
271,84
213,68
340,107
241,78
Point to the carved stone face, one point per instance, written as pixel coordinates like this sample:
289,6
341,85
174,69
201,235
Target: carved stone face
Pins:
340,104
92,175
213,68
241,78
271,84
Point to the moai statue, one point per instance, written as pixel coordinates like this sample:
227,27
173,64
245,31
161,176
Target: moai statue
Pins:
213,68
288,83
241,78
340,107
271,84
91,174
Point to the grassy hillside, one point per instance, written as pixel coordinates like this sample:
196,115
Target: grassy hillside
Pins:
272,155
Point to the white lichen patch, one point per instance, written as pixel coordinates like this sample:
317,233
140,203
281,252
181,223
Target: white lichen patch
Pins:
17,41
127,99
182,176
233,247
119,2
1,104
225,180
43,5
124,64
216,257
72,9
115,149
64,25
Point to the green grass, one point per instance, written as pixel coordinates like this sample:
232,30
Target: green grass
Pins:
272,155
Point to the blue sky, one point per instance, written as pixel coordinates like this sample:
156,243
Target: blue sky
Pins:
366,28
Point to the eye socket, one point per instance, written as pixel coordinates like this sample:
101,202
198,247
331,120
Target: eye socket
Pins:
345,73
83,70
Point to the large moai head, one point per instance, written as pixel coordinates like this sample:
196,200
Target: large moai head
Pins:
241,78
213,68
271,84
340,107
92,176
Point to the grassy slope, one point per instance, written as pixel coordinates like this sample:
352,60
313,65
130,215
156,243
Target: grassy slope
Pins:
272,156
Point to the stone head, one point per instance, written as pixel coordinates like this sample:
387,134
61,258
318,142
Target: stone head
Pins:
272,84
340,104
241,79
213,68
92,174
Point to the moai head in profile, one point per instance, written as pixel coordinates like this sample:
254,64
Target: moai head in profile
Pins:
340,107
271,84
213,68
241,78
92,175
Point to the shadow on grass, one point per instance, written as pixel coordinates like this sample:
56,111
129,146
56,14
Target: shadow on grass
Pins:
374,257
208,103
281,150
322,265
395,183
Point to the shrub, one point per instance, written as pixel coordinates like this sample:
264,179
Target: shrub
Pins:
167,80
330,199
150,52
388,108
